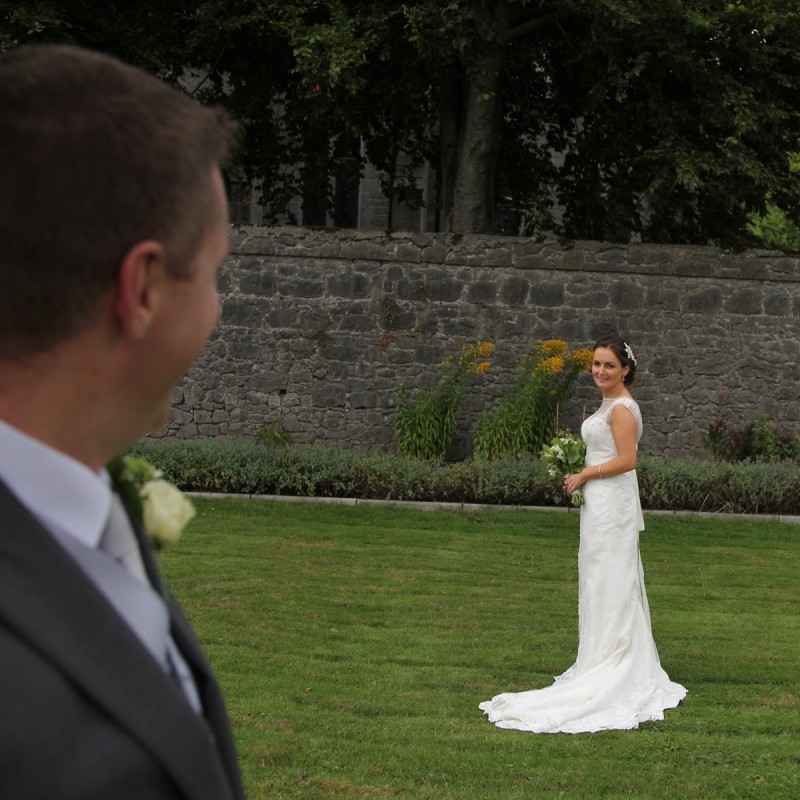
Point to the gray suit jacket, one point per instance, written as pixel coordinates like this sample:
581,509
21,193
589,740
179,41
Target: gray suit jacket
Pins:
85,712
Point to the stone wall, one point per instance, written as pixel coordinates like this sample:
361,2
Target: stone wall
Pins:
318,329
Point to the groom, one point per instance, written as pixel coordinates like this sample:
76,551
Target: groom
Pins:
113,224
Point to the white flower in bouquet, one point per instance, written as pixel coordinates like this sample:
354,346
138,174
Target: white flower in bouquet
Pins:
565,454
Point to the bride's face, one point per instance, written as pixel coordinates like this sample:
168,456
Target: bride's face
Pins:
608,372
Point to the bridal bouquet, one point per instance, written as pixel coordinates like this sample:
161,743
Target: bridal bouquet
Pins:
566,453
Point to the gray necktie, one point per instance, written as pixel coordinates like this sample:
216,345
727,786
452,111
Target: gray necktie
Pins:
119,541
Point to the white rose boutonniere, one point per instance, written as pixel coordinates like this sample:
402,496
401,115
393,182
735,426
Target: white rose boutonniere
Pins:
166,511
162,508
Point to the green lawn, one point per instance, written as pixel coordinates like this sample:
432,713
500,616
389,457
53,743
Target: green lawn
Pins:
355,643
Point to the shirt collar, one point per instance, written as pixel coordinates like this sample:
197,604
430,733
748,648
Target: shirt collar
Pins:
62,493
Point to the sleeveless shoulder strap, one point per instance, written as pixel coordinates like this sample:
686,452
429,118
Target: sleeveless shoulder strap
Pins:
632,406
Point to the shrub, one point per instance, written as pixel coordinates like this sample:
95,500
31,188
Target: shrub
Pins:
308,470
760,441
273,434
521,480
776,230
389,477
527,417
747,488
424,424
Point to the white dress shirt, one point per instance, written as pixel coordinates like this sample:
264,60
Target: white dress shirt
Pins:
62,493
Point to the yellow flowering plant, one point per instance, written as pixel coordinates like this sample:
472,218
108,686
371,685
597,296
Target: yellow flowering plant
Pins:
424,424
527,415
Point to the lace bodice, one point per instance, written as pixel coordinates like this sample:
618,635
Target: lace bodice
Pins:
596,430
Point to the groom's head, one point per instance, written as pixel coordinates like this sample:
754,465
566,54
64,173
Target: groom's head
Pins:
95,157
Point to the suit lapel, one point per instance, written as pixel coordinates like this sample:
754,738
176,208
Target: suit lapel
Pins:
49,601
207,686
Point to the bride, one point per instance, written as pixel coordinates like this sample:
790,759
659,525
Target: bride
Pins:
617,681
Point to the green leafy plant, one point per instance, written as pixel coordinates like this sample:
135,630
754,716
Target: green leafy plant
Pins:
527,416
424,423
424,291
776,230
774,227
389,311
760,441
726,443
322,338
273,434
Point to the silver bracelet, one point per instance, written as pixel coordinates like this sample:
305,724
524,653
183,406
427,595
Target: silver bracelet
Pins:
599,472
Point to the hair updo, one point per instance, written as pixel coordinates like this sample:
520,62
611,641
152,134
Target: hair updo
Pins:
622,350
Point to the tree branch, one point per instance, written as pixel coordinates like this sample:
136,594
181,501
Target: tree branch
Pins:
526,27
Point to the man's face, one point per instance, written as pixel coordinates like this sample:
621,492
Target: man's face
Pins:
189,311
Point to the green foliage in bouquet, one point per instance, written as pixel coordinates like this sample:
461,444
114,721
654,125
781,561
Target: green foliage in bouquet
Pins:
565,454
424,424
526,417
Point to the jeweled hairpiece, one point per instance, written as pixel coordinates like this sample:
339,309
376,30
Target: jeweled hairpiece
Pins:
629,353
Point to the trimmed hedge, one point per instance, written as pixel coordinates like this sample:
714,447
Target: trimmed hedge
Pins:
320,471
719,486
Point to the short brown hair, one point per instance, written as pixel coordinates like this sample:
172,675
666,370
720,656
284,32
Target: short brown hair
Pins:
95,156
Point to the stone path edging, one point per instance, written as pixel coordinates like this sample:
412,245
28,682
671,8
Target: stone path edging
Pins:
437,506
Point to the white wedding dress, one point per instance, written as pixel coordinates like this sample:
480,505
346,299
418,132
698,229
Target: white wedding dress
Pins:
617,681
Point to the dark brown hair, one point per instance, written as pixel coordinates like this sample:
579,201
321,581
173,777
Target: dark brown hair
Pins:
95,156
616,344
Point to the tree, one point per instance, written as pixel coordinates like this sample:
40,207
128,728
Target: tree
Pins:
773,228
606,119
675,119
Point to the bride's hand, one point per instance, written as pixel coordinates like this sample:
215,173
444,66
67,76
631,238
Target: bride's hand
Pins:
573,481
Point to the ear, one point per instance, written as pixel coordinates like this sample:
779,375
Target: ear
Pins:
139,288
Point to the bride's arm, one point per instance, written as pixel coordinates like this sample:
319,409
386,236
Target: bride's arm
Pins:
623,429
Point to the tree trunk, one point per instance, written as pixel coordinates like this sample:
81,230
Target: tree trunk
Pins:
449,127
474,195
471,205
